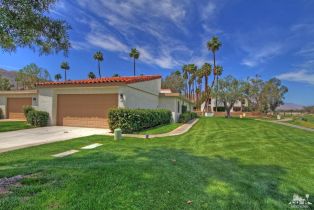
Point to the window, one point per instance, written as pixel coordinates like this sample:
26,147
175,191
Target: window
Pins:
178,107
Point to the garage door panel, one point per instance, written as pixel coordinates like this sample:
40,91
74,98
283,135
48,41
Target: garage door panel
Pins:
85,110
15,107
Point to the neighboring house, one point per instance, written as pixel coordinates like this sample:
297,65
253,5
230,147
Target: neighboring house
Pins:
12,103
174,102
237,107
86,103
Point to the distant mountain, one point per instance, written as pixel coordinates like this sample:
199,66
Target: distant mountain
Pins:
290,106
11,75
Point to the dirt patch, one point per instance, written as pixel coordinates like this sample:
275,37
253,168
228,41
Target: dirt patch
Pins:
6,183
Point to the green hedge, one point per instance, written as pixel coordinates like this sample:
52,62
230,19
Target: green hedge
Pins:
187,116
27,109
132,120
37,118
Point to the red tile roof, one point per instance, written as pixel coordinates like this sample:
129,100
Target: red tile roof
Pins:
104,80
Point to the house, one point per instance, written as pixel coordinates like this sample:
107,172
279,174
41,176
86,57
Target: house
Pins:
86,103
237,107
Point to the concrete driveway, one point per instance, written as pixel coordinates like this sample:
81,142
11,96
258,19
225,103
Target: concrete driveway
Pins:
30,137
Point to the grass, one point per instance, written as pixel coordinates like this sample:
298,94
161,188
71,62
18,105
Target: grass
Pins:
161,129
219,164
13,126
305,121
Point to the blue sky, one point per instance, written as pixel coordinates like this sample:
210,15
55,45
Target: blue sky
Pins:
269,38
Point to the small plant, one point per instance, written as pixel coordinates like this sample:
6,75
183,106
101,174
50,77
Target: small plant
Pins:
187,116
27,109
37,118
1,114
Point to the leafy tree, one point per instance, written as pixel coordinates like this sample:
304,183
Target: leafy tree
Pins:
274,93
29,75
230,91
135,54
65,66
309,109
4,84
25,23
254,89
174,81
99,57
116,75
58,77
91,75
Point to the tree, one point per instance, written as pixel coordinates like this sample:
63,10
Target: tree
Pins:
65,66
25,23
174,81
4,84
135,54
219,71
230,91
116,75
91,75
29,75
214,45
185,76
191,70
274,93
58,77
200,74
99,57
253,92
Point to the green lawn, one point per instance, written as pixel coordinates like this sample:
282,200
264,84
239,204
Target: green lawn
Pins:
219,164
13,126
305,121
161,129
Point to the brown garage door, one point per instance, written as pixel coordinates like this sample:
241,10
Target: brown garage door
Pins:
15,107
88,110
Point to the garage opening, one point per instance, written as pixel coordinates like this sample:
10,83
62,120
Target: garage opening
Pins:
15,107
85,110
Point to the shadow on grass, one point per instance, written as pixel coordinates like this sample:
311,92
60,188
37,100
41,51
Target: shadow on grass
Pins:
149,179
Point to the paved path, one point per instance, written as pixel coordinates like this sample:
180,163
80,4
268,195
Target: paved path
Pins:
178,131
284,122
31,137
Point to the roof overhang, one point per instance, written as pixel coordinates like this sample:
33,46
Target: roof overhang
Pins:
176,95
19,92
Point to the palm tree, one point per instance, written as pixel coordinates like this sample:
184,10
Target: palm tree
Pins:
219,71
58,77
135,55
65,66
116,75
185,76
214,45
207,70
200,75
91,75
99,57
191,69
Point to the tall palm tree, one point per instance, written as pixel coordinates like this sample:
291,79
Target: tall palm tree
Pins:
219,71
192,68
135,54
200,75
185,76
99,57
91,75
207,70
214,45
58,77
65,66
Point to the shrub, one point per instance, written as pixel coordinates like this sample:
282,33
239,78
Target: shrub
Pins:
184,109
37,118
132,120
1,114
187,116
27,109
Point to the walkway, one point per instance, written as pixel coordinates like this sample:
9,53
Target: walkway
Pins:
178,131
284,122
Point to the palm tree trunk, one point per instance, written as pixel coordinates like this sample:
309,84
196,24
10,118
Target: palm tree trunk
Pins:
217,91
134,66
99,69
65,75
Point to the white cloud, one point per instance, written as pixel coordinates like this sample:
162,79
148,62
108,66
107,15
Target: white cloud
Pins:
106,42
258,55
298,76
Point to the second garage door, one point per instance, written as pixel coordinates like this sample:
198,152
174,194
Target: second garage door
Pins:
15,107
85,110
